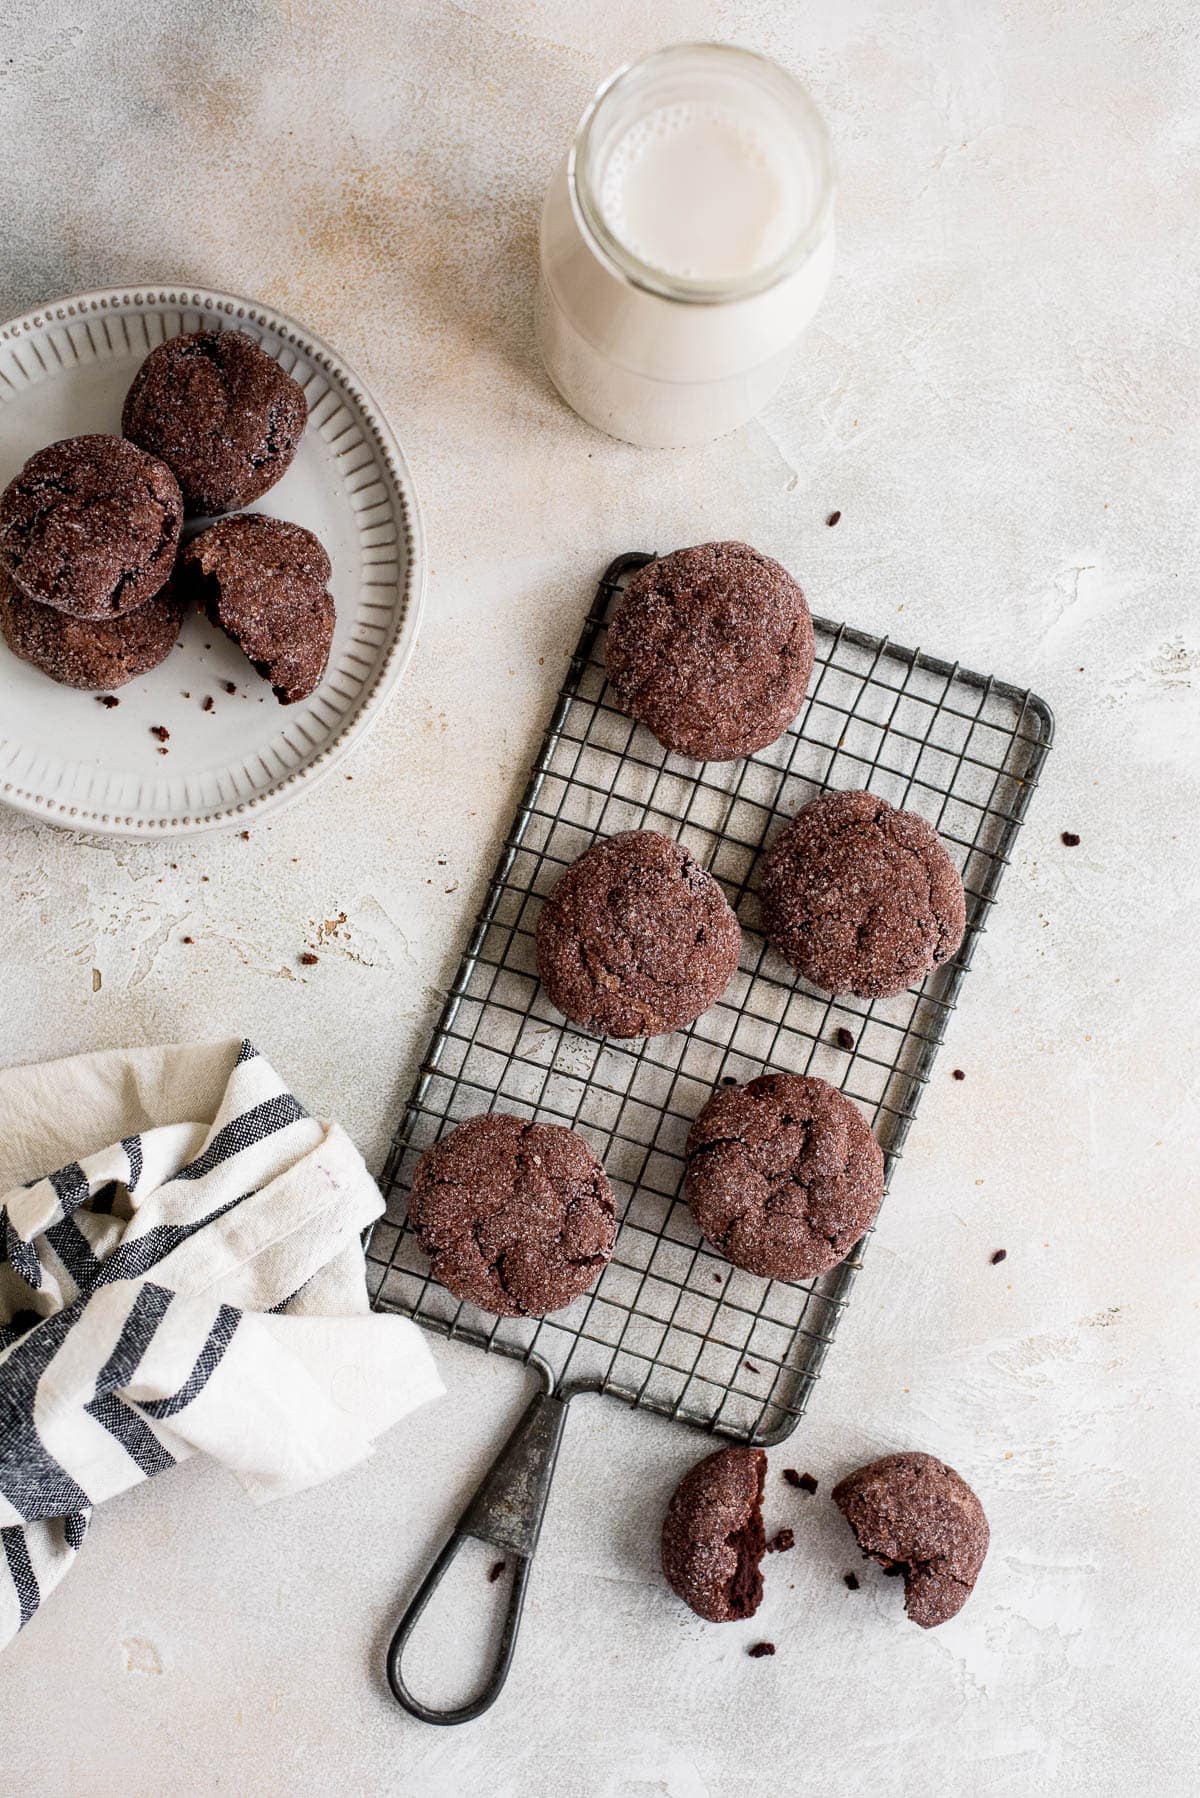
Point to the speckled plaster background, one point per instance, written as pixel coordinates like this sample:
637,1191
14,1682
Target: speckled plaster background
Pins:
1001,396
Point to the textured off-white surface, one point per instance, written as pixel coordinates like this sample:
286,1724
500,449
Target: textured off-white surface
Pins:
1000,394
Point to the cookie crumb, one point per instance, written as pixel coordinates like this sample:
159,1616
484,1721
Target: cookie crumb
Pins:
999,1256
750,1367
851,1580
957,1074
781,1541
308,959
208,703
160,731
833,518
188,939
97,980
495,1570
760,1649
1070,840
245,836
843,1038
804,1482
163,750
718,1278
229,686
107,700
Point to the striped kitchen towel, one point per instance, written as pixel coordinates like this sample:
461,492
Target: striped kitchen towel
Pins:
190,1276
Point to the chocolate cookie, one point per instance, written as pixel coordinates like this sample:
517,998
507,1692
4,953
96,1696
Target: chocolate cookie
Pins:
914,1514
515,1217
220,412
860,897
712,649
713,1540
94,653
783,1175
636,939
90,526
263,581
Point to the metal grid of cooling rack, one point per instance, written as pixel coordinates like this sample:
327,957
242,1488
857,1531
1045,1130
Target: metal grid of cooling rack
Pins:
670,1325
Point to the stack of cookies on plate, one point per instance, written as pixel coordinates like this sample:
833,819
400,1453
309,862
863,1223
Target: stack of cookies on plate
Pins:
93,582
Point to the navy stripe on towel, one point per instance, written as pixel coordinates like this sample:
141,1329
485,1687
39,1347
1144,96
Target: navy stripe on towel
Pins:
16,1553
207,1362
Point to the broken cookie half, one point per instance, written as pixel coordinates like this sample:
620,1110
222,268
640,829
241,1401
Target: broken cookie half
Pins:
916,1516
264,582
713,1540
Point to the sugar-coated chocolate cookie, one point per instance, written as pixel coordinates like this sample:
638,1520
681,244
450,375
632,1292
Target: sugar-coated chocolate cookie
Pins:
860,897
913,1513
636,939
93,653
90,526
713,1540
263,581
220,413
516,1217
712,649
783,1175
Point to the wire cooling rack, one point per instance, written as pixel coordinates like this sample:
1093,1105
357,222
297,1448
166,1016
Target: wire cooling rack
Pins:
670,1325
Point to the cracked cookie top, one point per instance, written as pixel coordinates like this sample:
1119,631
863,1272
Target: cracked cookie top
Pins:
637,938
220,413
713,1540
90,526
860,897
912,1513
712,649
516,1217
783,1175
92,653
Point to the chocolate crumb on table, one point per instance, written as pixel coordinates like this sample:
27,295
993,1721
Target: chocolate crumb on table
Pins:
851,1580
160,731
958,1074
107,700
1070,840
495,1570
843,1038
308,959
781,1541
208,703
803,1482
229,686
750,1367
999,1256
163,750
188,939
245,836
760,1649
833,518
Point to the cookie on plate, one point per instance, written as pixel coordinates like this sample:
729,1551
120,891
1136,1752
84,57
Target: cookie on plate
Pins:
783,1175
637,938
860,897
712,649
220,413
90,526
94,653
912,1513
263,581
516,1217
713,1540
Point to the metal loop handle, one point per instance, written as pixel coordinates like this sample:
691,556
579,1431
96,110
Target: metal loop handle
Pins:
506,1511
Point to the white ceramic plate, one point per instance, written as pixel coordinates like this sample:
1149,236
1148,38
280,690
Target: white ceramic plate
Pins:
64,370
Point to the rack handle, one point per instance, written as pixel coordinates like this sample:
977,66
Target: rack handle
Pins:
506,1511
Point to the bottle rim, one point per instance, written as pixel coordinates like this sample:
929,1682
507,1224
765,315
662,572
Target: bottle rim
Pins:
624,262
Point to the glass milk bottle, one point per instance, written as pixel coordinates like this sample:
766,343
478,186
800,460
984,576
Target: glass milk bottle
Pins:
686,241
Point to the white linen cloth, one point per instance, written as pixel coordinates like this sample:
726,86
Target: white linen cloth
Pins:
180,1270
